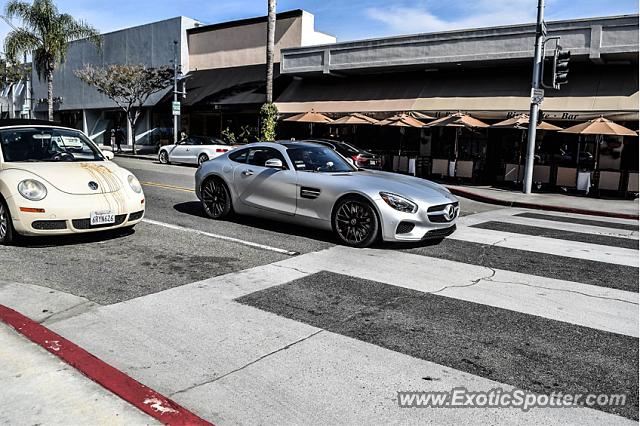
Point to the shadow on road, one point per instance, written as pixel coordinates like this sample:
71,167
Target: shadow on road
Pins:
194,208
73,239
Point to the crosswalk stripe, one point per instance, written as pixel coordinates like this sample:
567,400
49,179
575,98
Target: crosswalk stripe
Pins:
609,309
609,222
559,234
569,226
599,253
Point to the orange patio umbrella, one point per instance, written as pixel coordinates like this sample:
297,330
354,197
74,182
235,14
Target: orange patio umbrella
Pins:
521,122
355,118
598,126
401,120
310,117
460,121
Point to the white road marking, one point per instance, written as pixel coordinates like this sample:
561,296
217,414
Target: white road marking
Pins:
222,237
563,226
575,249
600,308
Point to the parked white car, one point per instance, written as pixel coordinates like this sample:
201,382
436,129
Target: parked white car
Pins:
193,150
55,180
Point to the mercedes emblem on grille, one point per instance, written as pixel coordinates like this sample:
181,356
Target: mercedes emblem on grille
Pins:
93,185
449,212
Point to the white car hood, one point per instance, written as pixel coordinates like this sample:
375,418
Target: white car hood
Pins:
74,177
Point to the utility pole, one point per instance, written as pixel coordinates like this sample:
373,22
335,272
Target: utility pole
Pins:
26,106
536,98
175,104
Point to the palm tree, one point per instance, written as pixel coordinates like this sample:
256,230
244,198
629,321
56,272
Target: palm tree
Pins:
271,37
45,35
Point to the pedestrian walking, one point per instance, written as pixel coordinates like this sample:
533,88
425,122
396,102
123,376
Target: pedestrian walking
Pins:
119,139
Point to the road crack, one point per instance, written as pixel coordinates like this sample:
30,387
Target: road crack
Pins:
249,363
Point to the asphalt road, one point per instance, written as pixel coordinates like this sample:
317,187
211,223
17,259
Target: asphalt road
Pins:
552,320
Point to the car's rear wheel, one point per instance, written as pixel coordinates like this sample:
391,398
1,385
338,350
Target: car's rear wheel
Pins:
216,198
355,222
202,158
163,157
7,233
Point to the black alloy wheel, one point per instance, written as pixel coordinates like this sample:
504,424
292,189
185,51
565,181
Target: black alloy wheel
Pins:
163,157
356,222
216,199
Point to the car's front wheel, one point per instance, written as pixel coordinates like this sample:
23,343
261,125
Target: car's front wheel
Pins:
355,222
216,198
163,157
7,233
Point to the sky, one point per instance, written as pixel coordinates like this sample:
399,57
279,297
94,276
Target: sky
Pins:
346,19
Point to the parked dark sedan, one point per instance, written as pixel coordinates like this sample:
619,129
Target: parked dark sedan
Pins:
360,158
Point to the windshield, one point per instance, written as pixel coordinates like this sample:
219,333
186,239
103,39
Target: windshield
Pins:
318,159
45,144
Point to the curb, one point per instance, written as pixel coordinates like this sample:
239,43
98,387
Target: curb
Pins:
547,207
135,393
138,157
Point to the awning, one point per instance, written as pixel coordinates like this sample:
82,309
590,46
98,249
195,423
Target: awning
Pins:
489,94
228,86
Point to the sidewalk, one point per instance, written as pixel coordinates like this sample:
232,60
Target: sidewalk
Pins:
38,388
624,209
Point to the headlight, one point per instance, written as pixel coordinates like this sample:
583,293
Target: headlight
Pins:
32,190
134,184
399,203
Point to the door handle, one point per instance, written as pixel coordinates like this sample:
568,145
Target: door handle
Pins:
247,172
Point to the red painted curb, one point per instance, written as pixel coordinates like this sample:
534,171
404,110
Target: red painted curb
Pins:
151,402
547,207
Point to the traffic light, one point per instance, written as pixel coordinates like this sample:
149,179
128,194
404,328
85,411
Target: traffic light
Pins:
560,67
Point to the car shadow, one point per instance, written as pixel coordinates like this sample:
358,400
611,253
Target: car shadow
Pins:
73,239
194,208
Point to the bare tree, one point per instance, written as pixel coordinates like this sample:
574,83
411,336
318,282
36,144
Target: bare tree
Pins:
129,86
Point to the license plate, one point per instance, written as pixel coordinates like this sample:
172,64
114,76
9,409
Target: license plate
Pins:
372,162
102,218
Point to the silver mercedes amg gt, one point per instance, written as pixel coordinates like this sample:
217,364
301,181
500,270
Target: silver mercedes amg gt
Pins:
310,184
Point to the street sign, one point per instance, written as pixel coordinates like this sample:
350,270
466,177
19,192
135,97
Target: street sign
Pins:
25,109
176,108
537,96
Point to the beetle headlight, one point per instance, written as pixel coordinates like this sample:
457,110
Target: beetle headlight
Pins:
399,203
134,184
32,190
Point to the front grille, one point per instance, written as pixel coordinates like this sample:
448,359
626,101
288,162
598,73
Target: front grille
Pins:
136,215
440,207
86,223
439,233
404,227
49,224
439,218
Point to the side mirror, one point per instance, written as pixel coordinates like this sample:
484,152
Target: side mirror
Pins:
273,163
108,155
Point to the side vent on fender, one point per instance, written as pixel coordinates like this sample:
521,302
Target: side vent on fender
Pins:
311,193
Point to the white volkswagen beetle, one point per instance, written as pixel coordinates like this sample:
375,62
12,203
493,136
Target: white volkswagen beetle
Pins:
55,180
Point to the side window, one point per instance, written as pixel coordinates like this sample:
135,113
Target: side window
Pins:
239,156
259,156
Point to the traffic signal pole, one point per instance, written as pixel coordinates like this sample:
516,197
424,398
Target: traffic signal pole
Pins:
175,90
535,103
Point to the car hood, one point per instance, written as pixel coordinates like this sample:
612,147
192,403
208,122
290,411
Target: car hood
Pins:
407,186
74,178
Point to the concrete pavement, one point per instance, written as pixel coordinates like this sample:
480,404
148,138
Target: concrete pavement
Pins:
38,388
